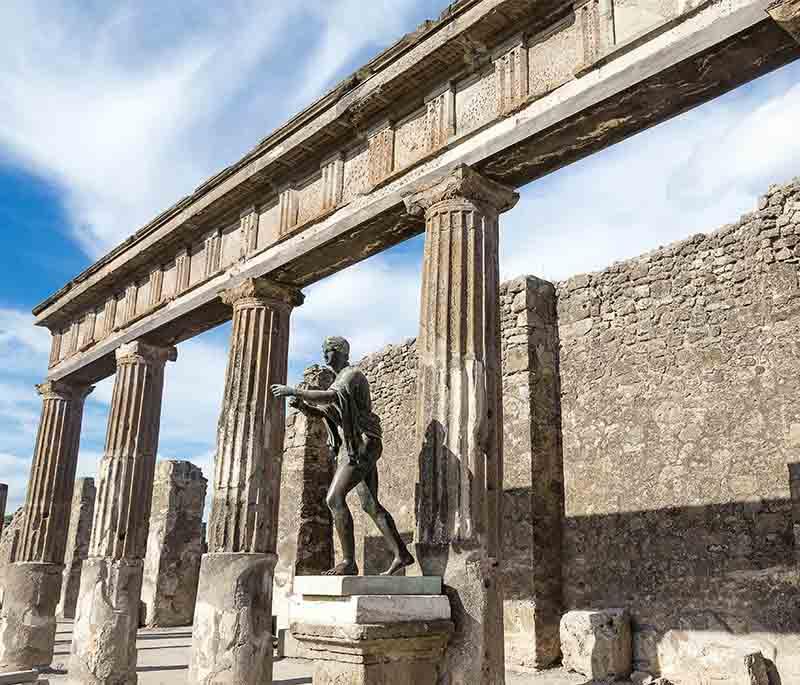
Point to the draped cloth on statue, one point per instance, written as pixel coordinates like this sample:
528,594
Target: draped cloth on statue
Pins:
352,412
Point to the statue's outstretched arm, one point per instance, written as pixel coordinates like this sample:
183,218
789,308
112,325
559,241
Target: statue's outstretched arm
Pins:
307,396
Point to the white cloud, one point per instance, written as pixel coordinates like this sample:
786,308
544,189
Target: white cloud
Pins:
692,174
128,106
372,304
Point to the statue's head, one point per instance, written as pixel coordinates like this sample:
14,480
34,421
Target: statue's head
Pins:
336,351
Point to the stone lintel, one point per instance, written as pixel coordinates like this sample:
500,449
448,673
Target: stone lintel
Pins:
786,14
262,291
343,586
142,352
464,183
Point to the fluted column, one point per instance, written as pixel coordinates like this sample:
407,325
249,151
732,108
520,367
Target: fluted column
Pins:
33,582
104,640
460,415
232,640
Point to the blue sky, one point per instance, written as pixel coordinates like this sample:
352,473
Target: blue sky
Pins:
114,110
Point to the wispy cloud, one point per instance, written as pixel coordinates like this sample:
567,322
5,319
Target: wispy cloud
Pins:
128,106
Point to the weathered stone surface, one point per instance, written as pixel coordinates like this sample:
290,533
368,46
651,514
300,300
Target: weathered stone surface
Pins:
27,618
232,634
103,648
407,653
174,545
9,542
597,644
78,538
459,510
104,641
787,14
31,593
305,530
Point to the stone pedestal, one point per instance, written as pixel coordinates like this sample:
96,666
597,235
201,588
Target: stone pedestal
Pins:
33,583
80,533
232,637
372,630
460,415
174,545
232,634
104,639
27,619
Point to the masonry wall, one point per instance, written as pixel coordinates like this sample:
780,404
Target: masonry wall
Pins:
680,376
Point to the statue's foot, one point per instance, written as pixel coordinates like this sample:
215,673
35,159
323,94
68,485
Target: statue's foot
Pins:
403,561
346,568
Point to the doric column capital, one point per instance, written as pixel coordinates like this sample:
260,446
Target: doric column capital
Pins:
64,390
260,292
786,13
138,352
463,184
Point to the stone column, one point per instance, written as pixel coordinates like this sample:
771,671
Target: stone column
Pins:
33,582
232,636
174,545
3,500
107,617
80,532
460,415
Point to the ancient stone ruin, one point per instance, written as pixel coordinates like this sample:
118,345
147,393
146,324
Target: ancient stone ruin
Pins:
174,545
615,444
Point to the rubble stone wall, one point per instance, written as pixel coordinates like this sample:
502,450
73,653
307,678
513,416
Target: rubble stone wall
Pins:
680,377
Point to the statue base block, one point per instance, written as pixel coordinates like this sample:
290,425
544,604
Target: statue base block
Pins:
373,637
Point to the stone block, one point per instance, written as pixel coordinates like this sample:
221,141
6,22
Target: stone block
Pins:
408,653
368,609
107,619
232,635
27,619
597,644
174,545
345,586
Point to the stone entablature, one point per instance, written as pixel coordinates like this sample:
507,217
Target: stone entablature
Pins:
483,62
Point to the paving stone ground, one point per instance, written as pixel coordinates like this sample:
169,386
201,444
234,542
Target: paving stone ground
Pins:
164,658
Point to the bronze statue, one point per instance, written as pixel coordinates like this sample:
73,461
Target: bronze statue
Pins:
347,411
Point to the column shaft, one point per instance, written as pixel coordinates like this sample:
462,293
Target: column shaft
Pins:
33,582
232,638
459,415
104,641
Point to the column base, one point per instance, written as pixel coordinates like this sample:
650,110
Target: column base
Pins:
407,653
475,654
70,589
232,634
107,619
27,619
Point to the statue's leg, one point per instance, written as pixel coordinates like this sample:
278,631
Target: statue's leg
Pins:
344,480
367,491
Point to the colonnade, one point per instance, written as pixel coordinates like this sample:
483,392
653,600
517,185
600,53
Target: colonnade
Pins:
459,433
